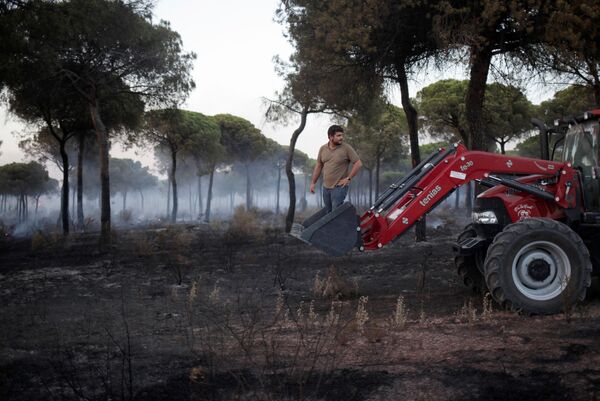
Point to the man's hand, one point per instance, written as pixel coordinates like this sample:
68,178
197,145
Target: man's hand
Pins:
312,188
344,182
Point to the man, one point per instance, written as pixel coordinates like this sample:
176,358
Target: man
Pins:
333,159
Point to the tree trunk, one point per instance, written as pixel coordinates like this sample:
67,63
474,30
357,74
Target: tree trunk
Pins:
502,144
124,200
103,144
592,67
174,185
480,65
278,189
168,195
248,188
141,198
190,199
64,198
209,195
73,200
200,205
457,198
377,168
303,202
320,198
413,133
469,199
80,150
290,174
370,187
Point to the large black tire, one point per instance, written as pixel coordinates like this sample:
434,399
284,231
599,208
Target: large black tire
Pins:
538,266
469,273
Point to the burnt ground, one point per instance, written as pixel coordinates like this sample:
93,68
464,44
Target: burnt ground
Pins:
216,313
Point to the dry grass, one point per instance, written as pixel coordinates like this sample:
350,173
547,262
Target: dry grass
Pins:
400,315
334,286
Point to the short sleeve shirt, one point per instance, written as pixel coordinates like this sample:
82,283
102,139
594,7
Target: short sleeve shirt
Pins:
335,163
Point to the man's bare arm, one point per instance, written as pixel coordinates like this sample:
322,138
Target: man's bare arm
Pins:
315,176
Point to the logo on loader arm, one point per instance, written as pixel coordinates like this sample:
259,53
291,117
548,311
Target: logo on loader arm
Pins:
524,211
430,195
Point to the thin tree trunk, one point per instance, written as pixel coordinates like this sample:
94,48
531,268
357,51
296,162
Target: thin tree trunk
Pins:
413,132
64,204
209,195
290,174
174,184
320,199
592,66
377,168
80,150
457,198
141,198
103,145
304,202
370,187
200,205
190,199
248,188
469,199
124,200
278,189
168,195
480,65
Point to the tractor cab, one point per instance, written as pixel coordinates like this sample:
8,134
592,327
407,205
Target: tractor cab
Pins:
581,148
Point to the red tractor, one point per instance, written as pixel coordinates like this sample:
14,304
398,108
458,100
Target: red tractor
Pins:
535,234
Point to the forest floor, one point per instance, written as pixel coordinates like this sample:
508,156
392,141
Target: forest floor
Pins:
244,312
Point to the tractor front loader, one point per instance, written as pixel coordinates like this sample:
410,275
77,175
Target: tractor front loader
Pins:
535,233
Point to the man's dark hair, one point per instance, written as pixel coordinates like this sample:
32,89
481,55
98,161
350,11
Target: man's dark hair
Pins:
333,129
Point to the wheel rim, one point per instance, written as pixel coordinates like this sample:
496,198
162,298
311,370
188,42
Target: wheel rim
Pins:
541,270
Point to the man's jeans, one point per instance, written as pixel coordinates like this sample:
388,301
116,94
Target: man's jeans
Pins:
334,197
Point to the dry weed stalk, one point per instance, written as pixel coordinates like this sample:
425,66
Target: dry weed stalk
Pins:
362,316
400,316
312,315
193,293
300,312
486,313
282,313
214,295
279,304
468,312
318,285
333,317
333,286
422,315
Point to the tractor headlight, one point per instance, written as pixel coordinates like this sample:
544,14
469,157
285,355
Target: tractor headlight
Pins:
487,217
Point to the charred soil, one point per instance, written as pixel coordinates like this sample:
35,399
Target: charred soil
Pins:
201,312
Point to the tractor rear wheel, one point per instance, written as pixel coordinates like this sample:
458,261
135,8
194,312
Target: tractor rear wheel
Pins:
538,266
469,268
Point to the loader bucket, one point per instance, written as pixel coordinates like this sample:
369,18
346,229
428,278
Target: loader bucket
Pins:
335,233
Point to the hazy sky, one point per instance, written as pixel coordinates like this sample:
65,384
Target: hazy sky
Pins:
235,41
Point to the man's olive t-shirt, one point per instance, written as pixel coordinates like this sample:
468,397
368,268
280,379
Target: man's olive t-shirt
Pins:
335,163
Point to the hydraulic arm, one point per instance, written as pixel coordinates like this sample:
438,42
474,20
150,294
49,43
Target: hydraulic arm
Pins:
407,200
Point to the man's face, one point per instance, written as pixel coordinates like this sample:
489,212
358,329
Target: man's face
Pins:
337,138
